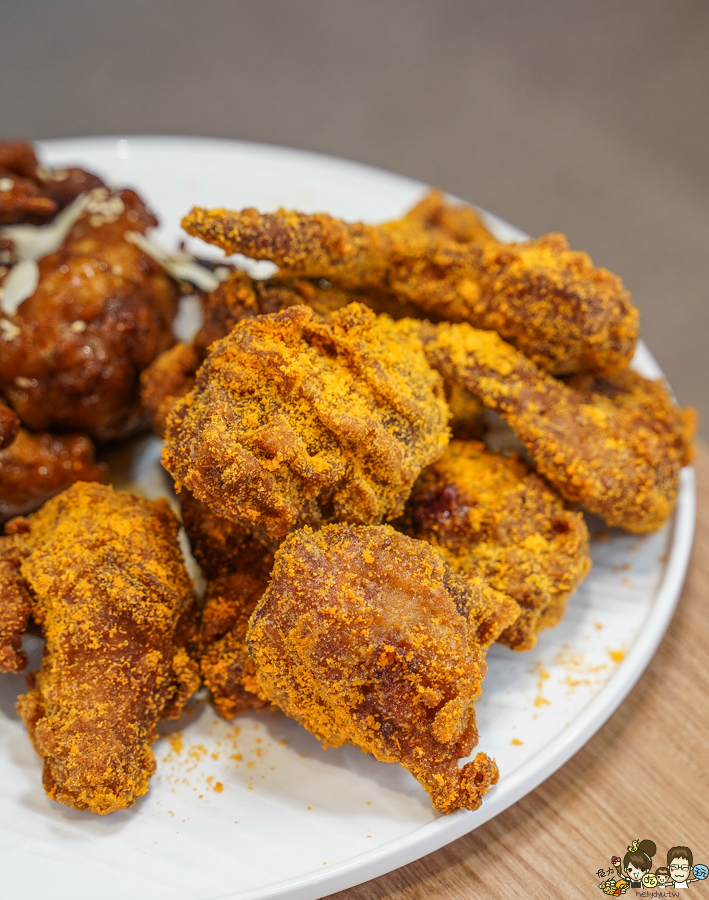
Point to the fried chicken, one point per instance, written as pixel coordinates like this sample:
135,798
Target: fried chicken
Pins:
550,302
614,445
31,194
366,636
237,568
295,420
71,357
35,467
493,517
106,582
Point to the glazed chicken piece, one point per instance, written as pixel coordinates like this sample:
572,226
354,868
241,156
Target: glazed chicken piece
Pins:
366,636
294,420
493,517
35,467
549,301
615,446
102,574
237,568
70,358
31,194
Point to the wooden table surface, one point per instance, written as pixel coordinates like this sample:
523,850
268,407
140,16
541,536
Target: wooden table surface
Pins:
645,774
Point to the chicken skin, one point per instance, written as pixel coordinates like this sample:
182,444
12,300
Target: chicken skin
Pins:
298,420
550,302
493,517
101,573
71,356
615,445
366,636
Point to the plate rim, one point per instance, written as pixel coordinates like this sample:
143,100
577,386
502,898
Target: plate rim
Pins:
433,835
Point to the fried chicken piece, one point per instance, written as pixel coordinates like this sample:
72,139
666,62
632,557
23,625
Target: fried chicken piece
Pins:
549,301
295,420
101,313
35,467
108,587
615,445
366,636
15,604
34,195
9,426
237,568
494,517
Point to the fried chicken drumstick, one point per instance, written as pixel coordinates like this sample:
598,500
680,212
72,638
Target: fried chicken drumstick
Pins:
545,299
295,420
614,445
366,636
492,516
71,356
101,573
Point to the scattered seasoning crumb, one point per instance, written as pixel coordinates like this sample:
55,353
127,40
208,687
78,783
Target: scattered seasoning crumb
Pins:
627,582
542,701
617,655
663,558
516,742
599,625
219,787
624,568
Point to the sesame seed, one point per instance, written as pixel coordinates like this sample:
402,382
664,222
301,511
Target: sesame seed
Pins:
6,184
9,330
78,326
24,383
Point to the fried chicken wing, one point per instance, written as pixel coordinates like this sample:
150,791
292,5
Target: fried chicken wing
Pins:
294,420
35,467
614,445
493,517
549,301
70,358
108,587
364,636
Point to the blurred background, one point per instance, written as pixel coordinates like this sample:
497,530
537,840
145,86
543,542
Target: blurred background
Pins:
591,119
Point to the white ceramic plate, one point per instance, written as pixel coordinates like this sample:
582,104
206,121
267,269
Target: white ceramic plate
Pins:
292,820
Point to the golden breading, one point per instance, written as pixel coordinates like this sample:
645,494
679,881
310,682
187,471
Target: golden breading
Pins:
109,589
167,379
35,467
101,312
294,420
549,301
615,446
363,636
493,517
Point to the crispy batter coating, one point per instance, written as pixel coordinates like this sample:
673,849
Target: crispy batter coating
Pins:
237,569
493,516
295,420
15,604
109,589
31,194
615,446
363,636
101,312
549,301
9,426
35,467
